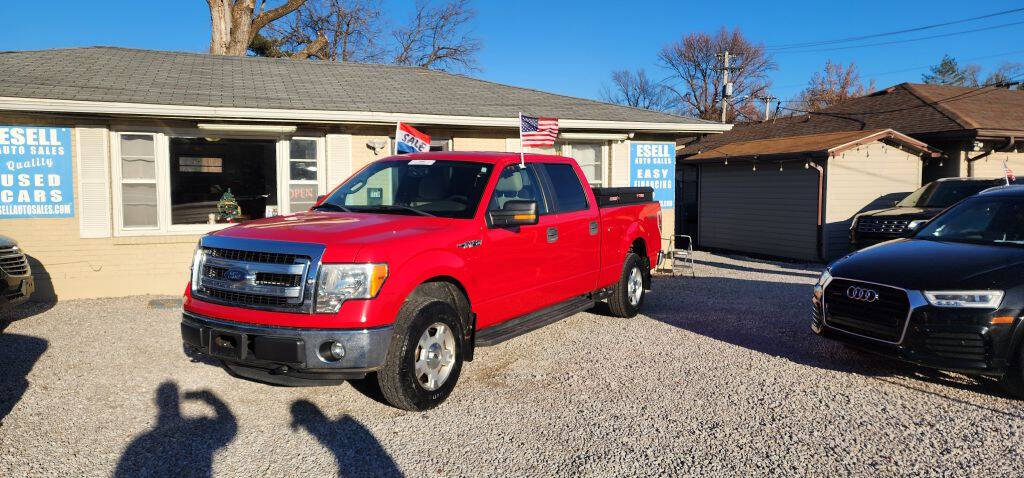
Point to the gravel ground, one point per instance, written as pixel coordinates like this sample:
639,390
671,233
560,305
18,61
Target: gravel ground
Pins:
721,375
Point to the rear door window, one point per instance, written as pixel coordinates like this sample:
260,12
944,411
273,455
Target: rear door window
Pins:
567,190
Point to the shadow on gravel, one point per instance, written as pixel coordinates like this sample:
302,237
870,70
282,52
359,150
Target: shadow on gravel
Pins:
18,354
801,272
356,451
179,446
773,318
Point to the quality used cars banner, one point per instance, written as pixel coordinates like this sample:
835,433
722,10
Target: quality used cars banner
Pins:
35,172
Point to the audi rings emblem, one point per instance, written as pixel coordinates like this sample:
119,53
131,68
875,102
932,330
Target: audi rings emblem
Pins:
864,295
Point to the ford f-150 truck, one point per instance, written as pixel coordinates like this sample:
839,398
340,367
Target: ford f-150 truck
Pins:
397,274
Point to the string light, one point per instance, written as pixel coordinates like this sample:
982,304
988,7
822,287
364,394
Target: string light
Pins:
807,164
726,161
754,168
780,166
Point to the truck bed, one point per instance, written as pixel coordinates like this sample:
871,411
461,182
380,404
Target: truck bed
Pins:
620,196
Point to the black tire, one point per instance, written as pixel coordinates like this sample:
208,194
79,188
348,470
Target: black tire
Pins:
619,302
397,379
1013,381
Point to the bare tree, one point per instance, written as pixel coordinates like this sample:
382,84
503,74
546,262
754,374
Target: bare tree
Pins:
636,89
833,86
438,37
332,30
695,63
1005,74
234,23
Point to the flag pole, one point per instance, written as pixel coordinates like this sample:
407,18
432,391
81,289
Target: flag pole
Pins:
1006,172
522,149
398,128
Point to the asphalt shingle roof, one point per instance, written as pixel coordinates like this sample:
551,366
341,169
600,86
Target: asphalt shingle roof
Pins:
811,143
111,74
916,110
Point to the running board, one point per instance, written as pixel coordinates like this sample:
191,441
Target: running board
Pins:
512,328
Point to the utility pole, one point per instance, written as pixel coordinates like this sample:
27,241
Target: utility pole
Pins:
726,86
767,104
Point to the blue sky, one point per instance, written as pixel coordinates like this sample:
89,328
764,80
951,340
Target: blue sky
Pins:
570,47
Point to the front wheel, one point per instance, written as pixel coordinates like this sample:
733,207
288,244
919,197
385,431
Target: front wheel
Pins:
628,293
425,356
1013,381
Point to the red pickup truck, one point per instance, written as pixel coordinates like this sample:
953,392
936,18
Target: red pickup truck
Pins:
402,270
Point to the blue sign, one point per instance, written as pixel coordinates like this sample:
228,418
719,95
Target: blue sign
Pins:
35,172
654,165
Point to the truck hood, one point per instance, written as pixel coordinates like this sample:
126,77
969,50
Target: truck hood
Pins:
344,234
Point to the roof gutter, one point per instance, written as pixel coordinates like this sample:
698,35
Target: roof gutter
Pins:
324,116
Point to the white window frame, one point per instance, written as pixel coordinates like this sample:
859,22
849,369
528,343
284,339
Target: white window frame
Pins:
284,154
163,178
566,150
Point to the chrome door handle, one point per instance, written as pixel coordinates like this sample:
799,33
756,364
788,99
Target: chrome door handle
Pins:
552,234
593,228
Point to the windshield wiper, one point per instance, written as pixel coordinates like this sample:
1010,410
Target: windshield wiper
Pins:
406,208
332,206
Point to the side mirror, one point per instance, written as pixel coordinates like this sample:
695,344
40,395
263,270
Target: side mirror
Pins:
514,213
916,224
895,203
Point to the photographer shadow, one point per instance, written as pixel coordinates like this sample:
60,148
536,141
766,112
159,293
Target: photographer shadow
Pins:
177,445
356,451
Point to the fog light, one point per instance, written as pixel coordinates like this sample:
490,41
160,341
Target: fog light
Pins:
332,351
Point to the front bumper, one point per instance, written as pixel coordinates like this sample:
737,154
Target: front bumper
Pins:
15,289
285,356
956,340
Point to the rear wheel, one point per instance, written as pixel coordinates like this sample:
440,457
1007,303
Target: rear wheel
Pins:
425,356
628,293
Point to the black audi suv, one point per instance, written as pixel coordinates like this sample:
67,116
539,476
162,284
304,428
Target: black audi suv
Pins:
871,227
949,297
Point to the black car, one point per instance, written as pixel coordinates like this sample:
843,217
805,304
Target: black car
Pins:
950,297
872,227
16,284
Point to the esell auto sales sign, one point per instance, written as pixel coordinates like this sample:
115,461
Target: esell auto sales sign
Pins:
35,172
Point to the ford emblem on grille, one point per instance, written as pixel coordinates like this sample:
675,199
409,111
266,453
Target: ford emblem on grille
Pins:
235,275
861,294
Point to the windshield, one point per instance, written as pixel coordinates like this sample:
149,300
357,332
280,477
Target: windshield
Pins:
422,187
982,220
943,194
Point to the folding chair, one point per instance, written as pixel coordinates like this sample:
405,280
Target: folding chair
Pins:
682,255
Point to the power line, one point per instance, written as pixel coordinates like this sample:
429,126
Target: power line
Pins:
908,40
974,91
897,32
916,68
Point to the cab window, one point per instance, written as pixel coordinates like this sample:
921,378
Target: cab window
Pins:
567,190
517,183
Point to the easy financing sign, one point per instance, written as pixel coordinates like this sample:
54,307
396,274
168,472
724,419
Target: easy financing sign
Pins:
654,165
35,172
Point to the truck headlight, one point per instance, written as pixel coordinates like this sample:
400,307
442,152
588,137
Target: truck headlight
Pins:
340,282
194,270
975,299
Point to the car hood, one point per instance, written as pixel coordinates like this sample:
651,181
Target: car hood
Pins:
344,234
907,212
930,265
6,241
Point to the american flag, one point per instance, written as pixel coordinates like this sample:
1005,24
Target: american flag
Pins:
1009,173
534,131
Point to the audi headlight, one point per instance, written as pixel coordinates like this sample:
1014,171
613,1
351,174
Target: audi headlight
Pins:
340,282
819,287
975,299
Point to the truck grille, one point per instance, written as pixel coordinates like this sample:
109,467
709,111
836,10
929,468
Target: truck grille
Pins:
254,279
883,318
251,256
13,262
878,225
